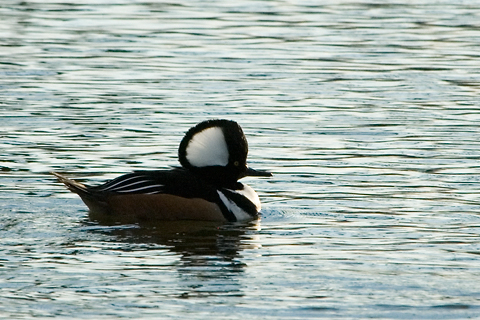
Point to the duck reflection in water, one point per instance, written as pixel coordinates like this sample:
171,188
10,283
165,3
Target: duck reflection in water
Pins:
209,252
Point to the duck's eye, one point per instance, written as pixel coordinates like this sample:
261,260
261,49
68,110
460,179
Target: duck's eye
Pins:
236,163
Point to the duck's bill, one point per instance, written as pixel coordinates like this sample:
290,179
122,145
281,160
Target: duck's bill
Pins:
257,173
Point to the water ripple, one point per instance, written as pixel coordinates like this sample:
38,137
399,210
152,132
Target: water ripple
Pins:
366,112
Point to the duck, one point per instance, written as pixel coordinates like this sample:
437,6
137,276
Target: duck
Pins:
213,158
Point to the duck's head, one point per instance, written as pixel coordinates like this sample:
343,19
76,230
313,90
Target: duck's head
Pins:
217,151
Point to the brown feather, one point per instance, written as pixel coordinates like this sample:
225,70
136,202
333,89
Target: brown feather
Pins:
130,208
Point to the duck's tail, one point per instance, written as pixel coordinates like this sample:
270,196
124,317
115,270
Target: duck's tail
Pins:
95,201
72,185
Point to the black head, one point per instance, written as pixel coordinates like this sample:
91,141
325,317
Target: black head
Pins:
217,150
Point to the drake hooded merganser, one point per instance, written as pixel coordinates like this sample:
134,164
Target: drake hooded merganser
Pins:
213,155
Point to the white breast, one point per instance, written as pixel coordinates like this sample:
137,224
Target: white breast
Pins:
239,213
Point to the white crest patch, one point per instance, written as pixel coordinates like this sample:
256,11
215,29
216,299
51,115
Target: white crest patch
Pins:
208,148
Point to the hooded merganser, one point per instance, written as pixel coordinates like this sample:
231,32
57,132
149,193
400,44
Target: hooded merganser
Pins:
213,155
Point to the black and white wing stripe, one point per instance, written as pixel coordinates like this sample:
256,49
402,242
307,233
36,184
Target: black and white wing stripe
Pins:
132,183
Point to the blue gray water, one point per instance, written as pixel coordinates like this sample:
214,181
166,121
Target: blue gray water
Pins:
367,112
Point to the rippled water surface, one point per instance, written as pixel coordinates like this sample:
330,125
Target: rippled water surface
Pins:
367,112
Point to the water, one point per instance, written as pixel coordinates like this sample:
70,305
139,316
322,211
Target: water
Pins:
367,113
